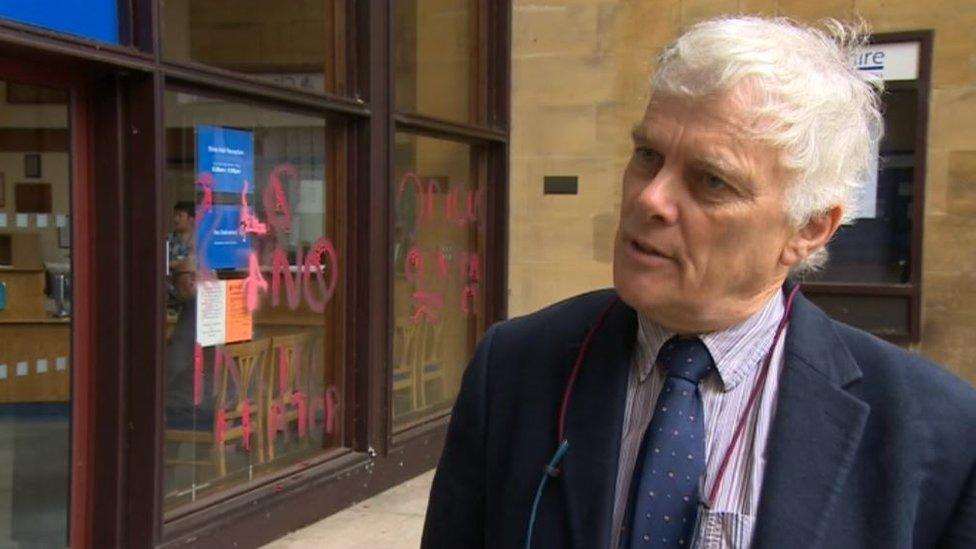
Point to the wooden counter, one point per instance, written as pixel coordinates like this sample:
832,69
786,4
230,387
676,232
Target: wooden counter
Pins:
35,361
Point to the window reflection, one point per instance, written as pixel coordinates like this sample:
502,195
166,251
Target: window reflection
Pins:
289,42
252,383
434,46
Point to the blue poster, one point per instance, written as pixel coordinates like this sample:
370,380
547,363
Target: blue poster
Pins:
95,19
220,243
228,155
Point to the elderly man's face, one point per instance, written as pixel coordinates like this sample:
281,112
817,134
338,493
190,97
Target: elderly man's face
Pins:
702,225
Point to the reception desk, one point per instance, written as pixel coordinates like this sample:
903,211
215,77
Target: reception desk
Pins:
35,347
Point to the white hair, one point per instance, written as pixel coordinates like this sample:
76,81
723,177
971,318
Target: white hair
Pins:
813,106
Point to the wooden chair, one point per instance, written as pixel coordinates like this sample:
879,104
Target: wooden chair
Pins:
406,355
431,365
288,386
243,366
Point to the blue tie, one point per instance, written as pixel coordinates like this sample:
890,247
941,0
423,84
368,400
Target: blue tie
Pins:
664,490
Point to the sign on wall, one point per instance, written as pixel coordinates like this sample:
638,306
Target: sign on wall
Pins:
893,61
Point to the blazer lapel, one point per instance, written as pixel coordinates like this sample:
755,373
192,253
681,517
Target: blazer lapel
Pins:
815,434
594,422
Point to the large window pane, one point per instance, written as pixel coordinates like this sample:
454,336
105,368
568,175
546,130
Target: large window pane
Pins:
253,379
438,275
434,42
291,42
35,316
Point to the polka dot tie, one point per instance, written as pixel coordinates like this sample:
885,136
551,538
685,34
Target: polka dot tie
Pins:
664,490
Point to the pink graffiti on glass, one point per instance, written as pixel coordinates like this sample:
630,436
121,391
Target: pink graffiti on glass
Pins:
413,267
424,198
246,424
206,182
441,264
254,283
249,222
299,399
470,266
197,374
428,305
468,297
313,261
277,210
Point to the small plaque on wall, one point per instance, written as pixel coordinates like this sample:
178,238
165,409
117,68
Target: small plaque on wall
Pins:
560,184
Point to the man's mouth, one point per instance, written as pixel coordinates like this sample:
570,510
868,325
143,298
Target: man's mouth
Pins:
646,250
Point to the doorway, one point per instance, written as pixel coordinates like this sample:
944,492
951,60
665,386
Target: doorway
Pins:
41,171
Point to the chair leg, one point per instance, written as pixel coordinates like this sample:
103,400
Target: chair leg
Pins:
265,443
220,461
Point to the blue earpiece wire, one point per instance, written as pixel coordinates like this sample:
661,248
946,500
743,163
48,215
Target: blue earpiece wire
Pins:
551,470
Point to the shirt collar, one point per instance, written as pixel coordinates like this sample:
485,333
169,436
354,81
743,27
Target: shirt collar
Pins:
736,350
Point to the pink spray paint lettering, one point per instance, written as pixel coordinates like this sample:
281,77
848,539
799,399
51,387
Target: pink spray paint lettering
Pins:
276,421
298,398
281,269
197,374
206,182
254,283
427,305
413,268
313,261
441,264
249,222
277,210
220,425
468,297
451,209
246,424
470,267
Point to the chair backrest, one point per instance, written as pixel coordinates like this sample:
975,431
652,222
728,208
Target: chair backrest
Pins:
246,365
432,341
292,354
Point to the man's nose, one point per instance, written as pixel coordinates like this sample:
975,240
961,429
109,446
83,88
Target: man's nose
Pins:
658,198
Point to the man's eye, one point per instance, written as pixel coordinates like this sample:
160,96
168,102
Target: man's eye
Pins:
714,183
647,156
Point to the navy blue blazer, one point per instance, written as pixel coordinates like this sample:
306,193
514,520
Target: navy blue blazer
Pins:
871,446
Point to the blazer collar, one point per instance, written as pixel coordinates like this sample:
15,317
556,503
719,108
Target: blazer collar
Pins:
594,423
815,433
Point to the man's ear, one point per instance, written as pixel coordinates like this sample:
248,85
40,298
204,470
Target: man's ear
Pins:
812,236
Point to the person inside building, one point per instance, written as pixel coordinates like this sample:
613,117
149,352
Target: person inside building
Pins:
703,401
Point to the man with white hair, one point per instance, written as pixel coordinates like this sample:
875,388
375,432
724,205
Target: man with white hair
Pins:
703,402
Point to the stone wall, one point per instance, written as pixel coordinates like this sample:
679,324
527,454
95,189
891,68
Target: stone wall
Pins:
579,71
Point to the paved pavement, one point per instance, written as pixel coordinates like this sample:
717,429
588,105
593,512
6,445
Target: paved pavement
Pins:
391,520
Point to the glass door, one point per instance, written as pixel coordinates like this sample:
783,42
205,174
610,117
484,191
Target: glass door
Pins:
36,312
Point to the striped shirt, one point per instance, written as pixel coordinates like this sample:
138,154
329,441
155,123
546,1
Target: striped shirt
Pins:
738,353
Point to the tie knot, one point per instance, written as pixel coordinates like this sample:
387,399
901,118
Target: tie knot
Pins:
687,358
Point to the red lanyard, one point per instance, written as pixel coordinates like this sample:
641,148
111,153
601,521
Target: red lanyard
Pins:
753,396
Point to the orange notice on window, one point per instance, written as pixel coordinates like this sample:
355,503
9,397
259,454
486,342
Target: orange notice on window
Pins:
240,323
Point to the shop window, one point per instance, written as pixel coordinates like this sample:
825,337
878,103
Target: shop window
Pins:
253,383
438,273
873,277
434,47
294,43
